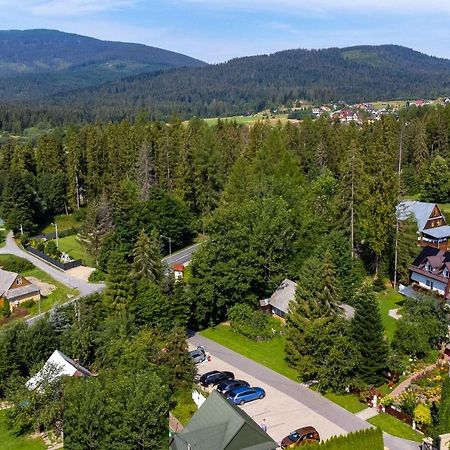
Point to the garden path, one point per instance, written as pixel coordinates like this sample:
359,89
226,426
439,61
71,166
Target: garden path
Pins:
406,383
367,413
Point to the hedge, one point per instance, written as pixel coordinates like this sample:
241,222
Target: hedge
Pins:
370,439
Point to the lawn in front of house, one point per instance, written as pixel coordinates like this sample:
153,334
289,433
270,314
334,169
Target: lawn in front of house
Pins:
395,427
350,402
185,406
389,299
76,250
10,442
269,354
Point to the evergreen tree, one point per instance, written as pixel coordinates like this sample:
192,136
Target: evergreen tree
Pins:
436,186
119,286
147,256
367,331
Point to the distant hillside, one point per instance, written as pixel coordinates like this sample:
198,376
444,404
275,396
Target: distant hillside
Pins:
253,83
34,63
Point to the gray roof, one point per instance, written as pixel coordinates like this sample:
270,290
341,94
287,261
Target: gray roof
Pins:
421,211
221,425
283,295
21,291
6,280
438,232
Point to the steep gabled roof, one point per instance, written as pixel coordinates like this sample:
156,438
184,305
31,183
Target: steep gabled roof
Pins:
6,280
421,211
221,425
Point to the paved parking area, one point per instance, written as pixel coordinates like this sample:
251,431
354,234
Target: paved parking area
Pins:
281,412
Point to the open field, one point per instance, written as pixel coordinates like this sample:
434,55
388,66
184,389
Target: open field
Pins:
248,119
64,222
76,250
395,427
10,442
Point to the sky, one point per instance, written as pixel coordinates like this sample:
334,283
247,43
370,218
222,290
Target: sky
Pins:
218,30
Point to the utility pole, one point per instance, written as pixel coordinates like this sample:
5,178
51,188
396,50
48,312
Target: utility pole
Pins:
56,234
398,202
170,246
21,229
352,231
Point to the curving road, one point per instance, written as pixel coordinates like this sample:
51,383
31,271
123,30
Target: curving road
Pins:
84,287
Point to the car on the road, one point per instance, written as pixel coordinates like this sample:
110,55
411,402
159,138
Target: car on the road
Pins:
198,355
229,385
305,435
245,394
215,377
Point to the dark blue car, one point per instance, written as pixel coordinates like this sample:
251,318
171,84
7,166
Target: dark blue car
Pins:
245,394
229,385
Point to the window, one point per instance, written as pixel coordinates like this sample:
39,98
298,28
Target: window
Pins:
18,280
446,273
428,283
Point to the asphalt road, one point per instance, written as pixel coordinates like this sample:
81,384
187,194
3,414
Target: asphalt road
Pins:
84,287
318,405
181,257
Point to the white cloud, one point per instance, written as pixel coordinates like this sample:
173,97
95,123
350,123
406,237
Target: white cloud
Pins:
324,6
65,8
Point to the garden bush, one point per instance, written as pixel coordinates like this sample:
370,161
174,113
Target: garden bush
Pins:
15,264
28,304
371,439
96,276
253,324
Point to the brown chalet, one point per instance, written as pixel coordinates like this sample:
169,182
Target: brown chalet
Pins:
432,228
431,271
17,289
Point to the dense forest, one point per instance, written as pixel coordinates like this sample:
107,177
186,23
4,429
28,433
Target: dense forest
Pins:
313,202
239,86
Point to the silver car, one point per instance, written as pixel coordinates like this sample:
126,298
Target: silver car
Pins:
198,355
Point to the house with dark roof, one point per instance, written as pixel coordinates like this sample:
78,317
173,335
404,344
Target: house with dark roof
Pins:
432,228
17,289
431,271
221,425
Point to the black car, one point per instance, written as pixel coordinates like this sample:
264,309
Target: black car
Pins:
215,377
228,385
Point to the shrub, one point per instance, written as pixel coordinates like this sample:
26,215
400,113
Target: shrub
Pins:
378,284
28,304
51,249
40,246
16,264
4,307
422,414
387,401
371,439
253,324
96,276
408,401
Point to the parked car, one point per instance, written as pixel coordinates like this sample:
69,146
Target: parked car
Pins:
245,394
305,435
215,377
198,355
229,385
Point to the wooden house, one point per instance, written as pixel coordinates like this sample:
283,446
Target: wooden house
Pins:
432,228
17,289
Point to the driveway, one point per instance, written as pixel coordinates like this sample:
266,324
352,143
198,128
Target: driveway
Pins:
288,405
84,287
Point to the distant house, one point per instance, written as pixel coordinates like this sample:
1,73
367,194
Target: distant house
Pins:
178,271
278,304
17,289
221,425
57,366
431,270
432,227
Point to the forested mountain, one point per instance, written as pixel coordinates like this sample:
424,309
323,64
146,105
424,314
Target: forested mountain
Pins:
257,82
34,63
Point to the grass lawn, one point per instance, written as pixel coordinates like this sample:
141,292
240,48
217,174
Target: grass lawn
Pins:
269,354
57,297
389,300
350,402
64,222
185,407
395,427
76,250
10,442
2,238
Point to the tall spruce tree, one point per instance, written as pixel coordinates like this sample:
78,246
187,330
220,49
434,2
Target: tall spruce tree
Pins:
119,290
147,256
367,331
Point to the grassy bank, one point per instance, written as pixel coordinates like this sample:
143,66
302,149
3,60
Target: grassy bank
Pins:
64,222
387,300
395,427
76,250
10,442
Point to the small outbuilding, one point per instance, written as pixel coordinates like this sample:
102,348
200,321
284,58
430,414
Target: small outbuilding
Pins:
17,289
